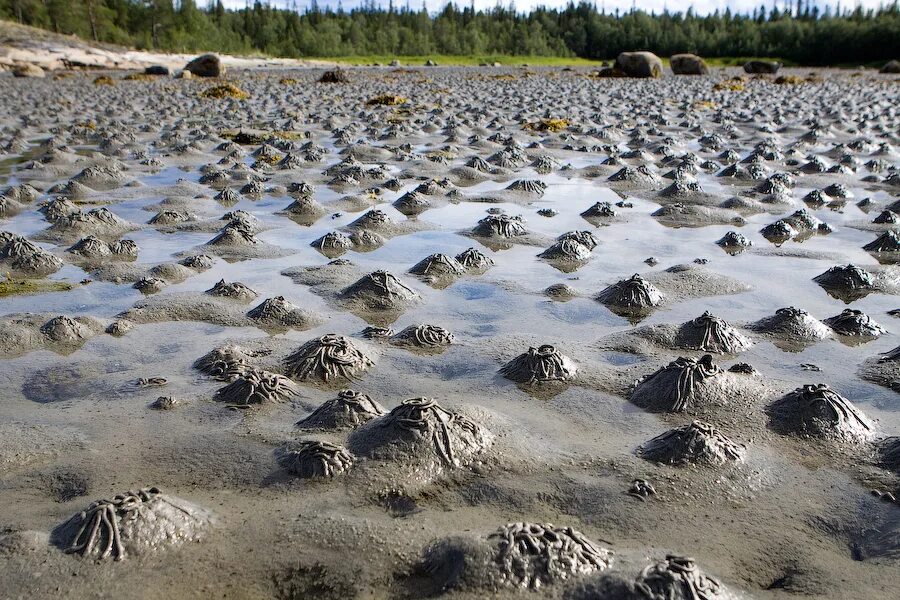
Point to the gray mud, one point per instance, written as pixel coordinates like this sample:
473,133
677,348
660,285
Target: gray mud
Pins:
523,412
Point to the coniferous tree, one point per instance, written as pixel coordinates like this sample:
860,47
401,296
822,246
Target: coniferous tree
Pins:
800,32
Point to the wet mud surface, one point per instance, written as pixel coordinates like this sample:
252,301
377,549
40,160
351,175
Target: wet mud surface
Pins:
304,344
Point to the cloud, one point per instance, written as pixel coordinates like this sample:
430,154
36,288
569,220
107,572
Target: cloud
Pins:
700,6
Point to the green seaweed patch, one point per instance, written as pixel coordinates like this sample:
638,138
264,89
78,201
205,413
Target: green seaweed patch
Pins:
139,77
797,80
735,84
224,90
270,160
548,125
704,105
26,287
255,138
386,100
441,154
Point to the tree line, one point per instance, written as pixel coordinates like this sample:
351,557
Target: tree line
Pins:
802,34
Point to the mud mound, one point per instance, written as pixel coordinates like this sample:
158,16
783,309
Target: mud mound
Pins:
101,177
412,203
818,411
793,325
438,266
599,210
847,282
678,578
529,186
23,333
696,443
889,453
574,246
531,556
235,290
684,384
426,337
474,260
327,359
94,248
333,243
132,524
523,556
379,290
685,281
21,257
225,363
279,313
500,226
348,411
733,242
99,222
855,323
237,234
304,210
632,293
889,241
883,369
537,365
375,220
709,333
253,386
422,431
314,459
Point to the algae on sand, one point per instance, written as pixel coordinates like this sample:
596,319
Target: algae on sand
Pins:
26,287
225,90
552,125
386,100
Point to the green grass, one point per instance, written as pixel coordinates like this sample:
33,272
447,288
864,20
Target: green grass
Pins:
738,61
517,61
464,60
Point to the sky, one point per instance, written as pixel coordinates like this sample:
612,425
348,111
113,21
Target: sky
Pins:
700,6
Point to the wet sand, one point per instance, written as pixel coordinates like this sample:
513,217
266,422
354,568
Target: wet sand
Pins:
296,231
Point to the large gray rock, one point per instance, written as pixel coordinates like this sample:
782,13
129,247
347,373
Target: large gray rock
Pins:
207,65
688,64
156,70
766,67
639,64
892,67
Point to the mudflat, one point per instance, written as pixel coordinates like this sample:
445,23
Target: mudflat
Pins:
458,332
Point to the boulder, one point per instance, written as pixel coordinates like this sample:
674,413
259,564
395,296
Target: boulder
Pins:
207,65
27,70
892,67
639,64
156,70
765,67
336,75
610,72
688,64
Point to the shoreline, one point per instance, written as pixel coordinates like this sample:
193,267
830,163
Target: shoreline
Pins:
23,45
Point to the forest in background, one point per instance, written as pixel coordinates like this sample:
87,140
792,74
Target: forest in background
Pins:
802,34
